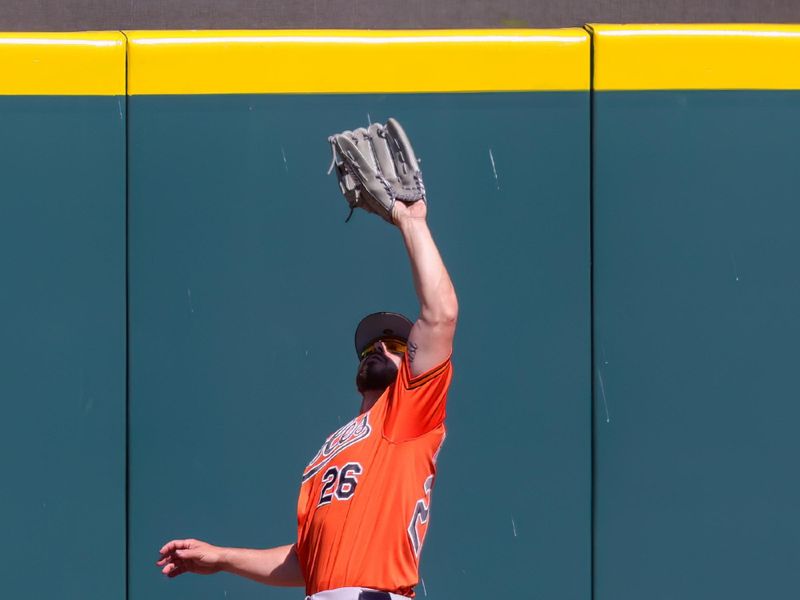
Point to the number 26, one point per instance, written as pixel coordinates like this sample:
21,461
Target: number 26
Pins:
344,480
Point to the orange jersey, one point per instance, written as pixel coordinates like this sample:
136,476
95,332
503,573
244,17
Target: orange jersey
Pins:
364,502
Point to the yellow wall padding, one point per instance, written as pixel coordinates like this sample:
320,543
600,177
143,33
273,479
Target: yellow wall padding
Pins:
69,64
696,57
318,61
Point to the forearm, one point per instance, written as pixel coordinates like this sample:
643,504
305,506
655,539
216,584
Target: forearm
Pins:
437,297
272,566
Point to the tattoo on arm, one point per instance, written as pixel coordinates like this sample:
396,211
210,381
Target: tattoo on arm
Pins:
412,351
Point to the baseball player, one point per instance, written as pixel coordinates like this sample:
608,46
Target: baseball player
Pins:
364,504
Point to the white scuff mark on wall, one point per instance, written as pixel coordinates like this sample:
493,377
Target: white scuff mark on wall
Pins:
369,119
513,526
494,169
603,394
285,164
735,268
424,590
189,295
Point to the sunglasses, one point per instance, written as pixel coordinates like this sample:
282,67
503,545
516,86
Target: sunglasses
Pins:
392,345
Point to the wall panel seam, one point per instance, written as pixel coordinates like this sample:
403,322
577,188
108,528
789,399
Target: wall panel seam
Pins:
127,326
592,489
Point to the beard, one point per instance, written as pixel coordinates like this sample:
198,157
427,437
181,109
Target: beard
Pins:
375,373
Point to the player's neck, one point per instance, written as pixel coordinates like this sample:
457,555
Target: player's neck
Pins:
368,400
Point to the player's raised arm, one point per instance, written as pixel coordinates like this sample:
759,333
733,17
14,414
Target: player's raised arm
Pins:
272,566
378,171
431,338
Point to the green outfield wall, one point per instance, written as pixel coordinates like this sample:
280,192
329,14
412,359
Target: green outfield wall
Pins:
247,285
617,207
62,318
696,296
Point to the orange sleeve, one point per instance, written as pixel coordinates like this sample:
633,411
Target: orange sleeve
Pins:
417,405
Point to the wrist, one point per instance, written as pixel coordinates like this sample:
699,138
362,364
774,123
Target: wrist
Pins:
226,559
407,224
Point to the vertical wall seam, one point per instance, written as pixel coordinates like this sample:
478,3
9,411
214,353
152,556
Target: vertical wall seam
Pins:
593,470
127,334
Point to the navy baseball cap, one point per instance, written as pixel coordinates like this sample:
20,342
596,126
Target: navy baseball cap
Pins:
381,325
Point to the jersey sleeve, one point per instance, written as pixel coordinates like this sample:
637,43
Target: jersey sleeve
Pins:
417,404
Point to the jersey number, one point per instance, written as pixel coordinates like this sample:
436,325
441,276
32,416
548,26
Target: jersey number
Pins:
340,483
420,517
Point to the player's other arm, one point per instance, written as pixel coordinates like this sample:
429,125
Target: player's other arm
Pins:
272,566
431,338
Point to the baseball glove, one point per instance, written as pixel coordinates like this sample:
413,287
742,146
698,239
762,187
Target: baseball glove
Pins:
376,167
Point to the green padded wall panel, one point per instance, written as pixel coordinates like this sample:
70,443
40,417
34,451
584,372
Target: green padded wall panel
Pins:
246,286
62,301
697,289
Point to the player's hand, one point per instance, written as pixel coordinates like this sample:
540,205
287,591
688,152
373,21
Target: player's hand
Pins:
190,556
403,212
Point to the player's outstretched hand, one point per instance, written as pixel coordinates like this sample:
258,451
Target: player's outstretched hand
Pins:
402,211
190,556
